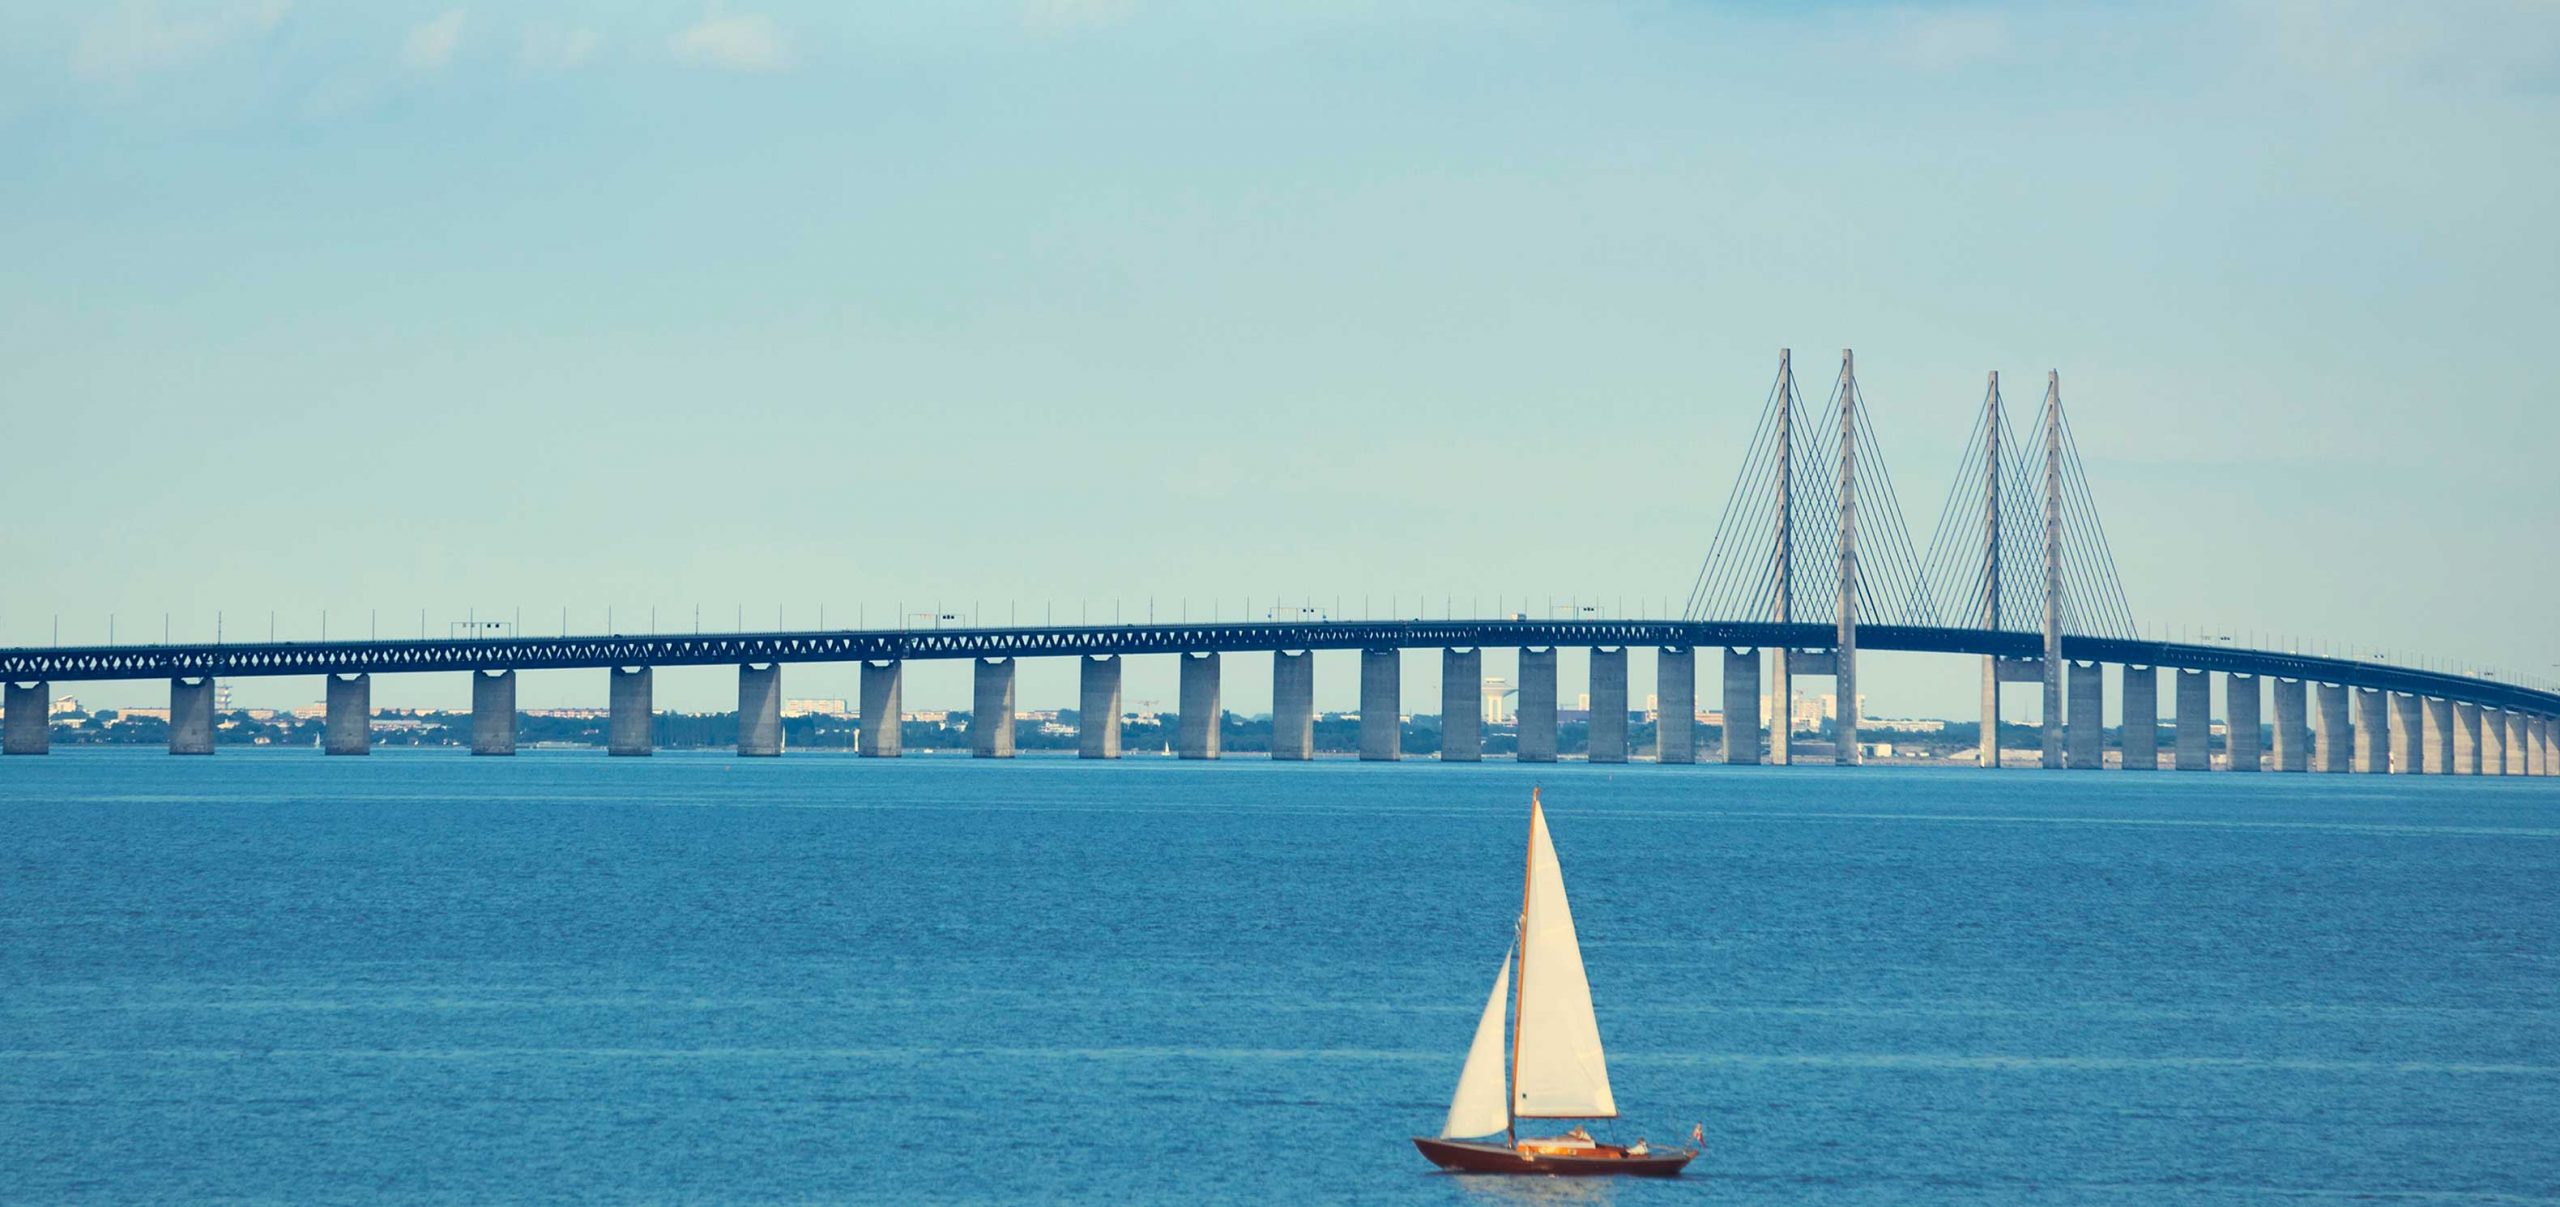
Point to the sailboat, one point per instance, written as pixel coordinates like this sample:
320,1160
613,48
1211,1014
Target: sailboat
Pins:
1556,1069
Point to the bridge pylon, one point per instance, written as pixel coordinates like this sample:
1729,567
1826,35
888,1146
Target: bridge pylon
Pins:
1812,538
2065,583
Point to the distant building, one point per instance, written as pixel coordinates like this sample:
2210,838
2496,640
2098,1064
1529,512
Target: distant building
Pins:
66,705
1902,724
816,706
1497,696
221,697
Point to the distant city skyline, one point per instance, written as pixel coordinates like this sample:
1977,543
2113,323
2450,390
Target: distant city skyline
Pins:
752,307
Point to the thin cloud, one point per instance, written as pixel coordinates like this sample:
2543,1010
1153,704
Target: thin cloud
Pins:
1063,16
431,45
552,48
739,42
2453,43
1944,40
136,38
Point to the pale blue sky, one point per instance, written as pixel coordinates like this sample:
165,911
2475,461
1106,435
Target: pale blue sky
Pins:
633,305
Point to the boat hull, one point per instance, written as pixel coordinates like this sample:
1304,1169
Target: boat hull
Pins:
1466,1157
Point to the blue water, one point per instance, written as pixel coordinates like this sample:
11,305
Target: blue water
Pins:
269,976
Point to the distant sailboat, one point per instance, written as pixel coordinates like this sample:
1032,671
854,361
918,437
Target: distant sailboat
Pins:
1556,1068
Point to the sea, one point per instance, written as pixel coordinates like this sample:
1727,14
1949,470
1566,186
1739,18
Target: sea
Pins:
421,977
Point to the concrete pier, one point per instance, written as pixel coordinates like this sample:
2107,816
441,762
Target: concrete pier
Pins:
1536,722
991,700
2533,728
2515,743
760,711
1742,706
2435,742
493,712
884,732
1293,705
1608,733
2406,730
191,716
2195,721
1198,737
1461,706
2550,746
2293,736
2241,735
2334,739
348,727
629,716
2141,718
30,724
1675,705
1381,705
2086,741
2493,742
2466,739
1098,708
2373,732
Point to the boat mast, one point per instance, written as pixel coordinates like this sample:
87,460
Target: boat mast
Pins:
1520,977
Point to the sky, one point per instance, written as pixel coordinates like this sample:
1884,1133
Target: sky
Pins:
1076,308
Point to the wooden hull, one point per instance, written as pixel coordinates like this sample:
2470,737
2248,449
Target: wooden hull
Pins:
1466,1157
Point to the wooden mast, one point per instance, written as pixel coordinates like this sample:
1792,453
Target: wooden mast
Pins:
1519,978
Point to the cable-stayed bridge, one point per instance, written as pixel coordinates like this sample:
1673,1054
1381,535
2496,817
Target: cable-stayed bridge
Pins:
1810,564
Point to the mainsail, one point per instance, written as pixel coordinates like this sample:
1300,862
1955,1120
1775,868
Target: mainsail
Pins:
1557,1068
1476,1109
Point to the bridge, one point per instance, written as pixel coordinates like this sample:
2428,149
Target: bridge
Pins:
1810,564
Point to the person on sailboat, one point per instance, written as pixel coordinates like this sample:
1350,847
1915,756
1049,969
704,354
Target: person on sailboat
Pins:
1698,1134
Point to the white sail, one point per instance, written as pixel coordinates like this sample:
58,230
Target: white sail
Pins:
1476,1109
1557,1069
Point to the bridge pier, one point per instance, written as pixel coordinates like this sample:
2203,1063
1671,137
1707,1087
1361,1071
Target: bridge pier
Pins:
1608,721
1381,705
2435,742
629,716
191,716
1098,708
2241,734
1675,705
1536,722
2466,738
493,712
2515,743
2493,742
2533,731
2550,746
2087,745
30,723
2195,721
2334,739
1742,707
991,699
2405,733
2292,738
2373,732
348,727
759,710
1198,738
2141,718
884,690
1461,706
1293,705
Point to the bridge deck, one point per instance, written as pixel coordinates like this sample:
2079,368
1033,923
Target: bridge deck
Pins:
83,663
